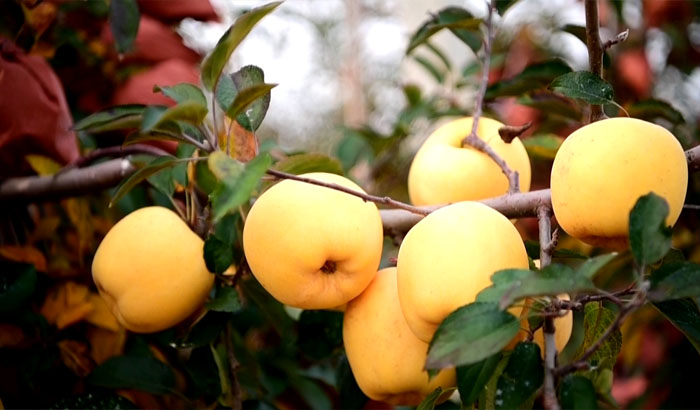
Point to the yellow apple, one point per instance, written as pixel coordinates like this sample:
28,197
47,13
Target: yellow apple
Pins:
602,169
313,247
563,326
444,172
386,358
449,257
150,270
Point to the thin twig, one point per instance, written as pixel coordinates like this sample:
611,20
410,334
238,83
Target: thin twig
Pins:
544,219
472,139
233,368
580,302
116,151
617,40
380,200
595,51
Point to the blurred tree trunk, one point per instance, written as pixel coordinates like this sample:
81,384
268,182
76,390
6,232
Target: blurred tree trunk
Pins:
354,101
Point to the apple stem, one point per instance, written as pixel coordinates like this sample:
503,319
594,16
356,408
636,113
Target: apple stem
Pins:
595,52
472,139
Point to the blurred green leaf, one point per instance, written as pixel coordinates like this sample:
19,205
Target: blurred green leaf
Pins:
584,85
650,237
17,284
430,400
535,76
651,109
312,393
205,331
206,181
439,54
543,145
224,168
214,63
225,300
510,285
471,334
472,378
163,181
437,74
158,164
183,92
458,20
320,333
134,372
124,20
349,392
521,378
503,5
203,374
577,392
231,194
685,315
190,111
675,280
551,104
591,266
596,320
114,115
218,255
311,162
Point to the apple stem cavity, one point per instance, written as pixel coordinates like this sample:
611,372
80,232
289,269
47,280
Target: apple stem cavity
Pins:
329,267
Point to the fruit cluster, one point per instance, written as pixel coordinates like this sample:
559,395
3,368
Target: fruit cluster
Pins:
313,247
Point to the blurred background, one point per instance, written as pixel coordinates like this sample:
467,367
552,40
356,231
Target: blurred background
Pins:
347,89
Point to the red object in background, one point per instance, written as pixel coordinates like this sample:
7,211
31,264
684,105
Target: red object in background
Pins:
660,12
138,89
155,42
634,71
176,10
34,114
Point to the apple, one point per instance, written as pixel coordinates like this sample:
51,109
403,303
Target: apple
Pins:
444,172
150,270
448,257
313,247
385,357
601,170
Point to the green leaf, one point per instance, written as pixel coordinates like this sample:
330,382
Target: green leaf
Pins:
458,20
471,334
248,96
226,300
183,92
584,85
675,280
521,378
124,19
650,237
487,398
17,284
596,321
163,181
590,267
503,5
158,164
349,392
205,179
215,62
472,378
437,74
431,399
134,372
685,315
320,333
535,76
305,163
511,285
110,116
224,167
577,392
189,111
231,194
205,331
543,146
651,109
218,255
248,76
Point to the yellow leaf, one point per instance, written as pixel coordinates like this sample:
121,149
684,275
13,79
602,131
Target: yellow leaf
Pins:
73,314
27,254
101,315
42,165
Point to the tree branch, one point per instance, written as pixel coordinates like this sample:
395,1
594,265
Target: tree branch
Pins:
472,139
595,51
544,220
380,200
